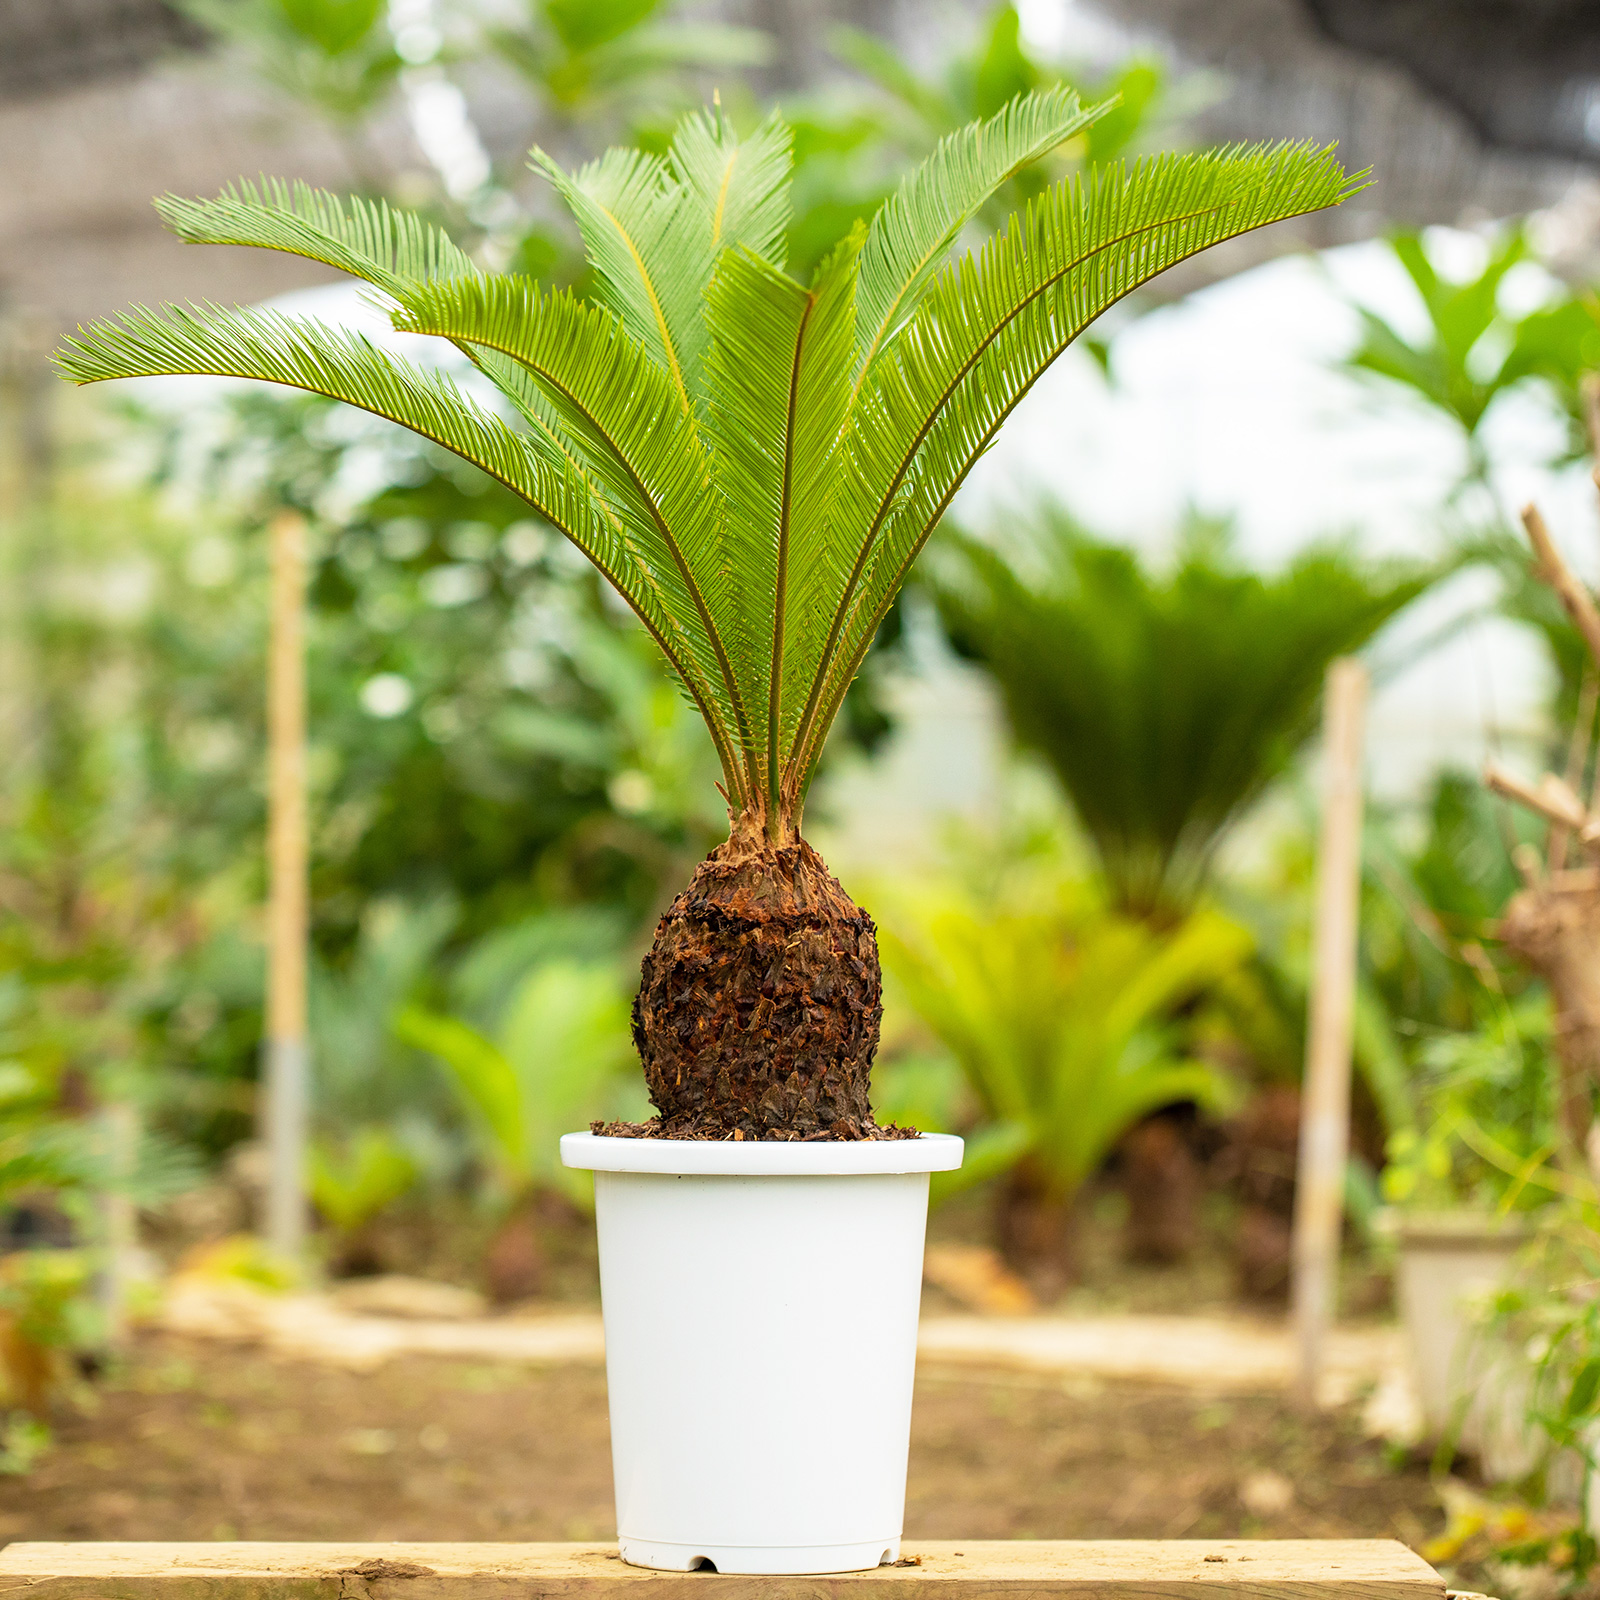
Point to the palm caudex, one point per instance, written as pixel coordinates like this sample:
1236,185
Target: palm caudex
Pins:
753,462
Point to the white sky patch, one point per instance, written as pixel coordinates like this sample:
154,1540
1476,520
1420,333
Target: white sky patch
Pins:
1065,30
444,130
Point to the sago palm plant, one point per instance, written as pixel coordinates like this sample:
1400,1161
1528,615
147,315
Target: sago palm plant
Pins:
753,462
1164,703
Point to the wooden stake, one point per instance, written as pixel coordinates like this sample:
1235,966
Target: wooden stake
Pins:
1553,569
1325,1108
119,1127
286,1063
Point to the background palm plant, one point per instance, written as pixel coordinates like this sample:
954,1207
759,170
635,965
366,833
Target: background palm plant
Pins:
1163,704
754,464
552,1061
1060,1014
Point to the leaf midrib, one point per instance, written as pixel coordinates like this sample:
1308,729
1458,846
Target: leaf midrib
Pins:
781,581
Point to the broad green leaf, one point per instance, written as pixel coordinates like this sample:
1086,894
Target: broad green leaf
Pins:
480,1070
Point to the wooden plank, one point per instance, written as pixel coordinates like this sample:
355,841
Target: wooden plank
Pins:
1128,1569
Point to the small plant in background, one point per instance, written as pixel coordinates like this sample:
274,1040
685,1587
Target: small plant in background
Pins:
352,1182
1539,1337
1486,1132
554,1061
1475,348
61,1167
1062,1016
1164,703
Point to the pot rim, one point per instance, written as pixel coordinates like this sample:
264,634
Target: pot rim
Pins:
751,1158
1462,1228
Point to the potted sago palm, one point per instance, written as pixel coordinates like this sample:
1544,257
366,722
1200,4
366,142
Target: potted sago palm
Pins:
754,463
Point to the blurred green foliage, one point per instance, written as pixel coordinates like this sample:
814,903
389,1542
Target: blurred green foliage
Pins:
1164,702
1471,348
557,1060
1061,1013
854,138
621,63
336,58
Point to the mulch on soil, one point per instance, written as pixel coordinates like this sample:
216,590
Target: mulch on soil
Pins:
196,1440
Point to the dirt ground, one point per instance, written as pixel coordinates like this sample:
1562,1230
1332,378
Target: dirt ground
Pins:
198,1440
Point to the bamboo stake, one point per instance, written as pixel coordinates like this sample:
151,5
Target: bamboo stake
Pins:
1550,797
1325,1113
1554,570
287,918
119,1126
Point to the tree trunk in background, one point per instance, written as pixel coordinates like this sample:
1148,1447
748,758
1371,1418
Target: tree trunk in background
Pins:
514,1264
1162,1183
1555,928
1035,1230
758,1013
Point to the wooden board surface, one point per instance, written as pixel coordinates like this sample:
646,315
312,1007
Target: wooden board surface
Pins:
1281,1569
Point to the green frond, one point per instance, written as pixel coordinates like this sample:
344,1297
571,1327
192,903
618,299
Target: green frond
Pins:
390,249
751,462
913,232
369,239
641,233
265,345
756,318
819,544
740,187
654,228
991,325
607,388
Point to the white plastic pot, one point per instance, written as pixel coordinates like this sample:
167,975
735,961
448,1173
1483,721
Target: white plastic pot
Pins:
760,1307
1446,1261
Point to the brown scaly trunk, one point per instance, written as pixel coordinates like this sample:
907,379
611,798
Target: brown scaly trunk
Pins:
758,1013
1554,927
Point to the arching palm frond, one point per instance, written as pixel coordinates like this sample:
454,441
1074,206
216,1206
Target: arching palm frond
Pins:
266,345
911,235
646,448
367,238
390,249
753,462
990,327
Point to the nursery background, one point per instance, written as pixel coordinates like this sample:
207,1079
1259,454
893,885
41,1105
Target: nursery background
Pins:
1078,784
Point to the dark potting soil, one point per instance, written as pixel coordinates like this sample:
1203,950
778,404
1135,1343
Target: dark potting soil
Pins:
713,1128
